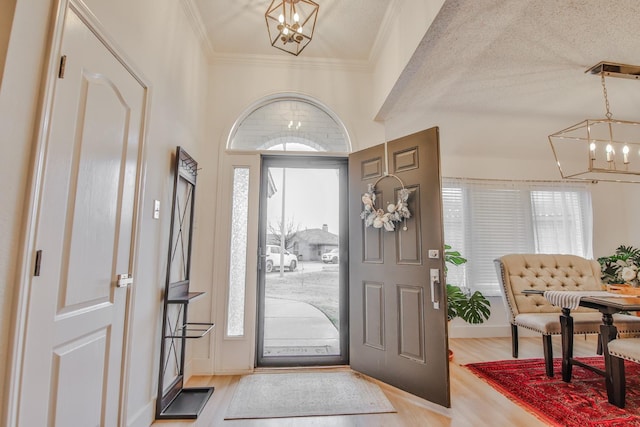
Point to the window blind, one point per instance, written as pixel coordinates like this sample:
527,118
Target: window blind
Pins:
487,219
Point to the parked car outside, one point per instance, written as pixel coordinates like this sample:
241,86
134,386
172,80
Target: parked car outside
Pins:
332,256
273,259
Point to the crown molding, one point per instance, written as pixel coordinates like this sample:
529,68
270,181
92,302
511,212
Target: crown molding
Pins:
194,17
293,62
385,29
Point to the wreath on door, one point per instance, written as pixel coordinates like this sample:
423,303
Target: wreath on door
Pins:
378,217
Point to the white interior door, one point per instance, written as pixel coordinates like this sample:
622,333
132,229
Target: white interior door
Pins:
74,339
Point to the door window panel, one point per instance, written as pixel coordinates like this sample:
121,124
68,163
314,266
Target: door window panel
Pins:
302,318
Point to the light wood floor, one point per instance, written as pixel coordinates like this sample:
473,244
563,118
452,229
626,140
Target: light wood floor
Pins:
473,402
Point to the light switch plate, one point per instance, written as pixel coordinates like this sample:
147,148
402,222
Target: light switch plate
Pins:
156,209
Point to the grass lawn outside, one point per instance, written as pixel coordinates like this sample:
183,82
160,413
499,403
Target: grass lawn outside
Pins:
316,285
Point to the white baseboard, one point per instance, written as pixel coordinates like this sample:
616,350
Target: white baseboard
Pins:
201,367
234,372
479,331
465,330
144,417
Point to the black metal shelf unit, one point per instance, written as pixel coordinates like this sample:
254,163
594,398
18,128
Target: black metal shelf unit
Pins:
174,401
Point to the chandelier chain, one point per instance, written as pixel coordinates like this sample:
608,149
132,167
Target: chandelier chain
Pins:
606,99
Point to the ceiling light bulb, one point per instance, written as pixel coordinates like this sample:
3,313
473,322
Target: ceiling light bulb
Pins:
281,18
592,146
296,17
285,31
300,29
609,150
625,154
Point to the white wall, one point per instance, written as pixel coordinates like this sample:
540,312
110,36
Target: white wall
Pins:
343,88
157,36
7,8
615,219
403,30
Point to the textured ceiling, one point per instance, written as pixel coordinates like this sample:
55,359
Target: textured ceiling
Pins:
523,57
346,29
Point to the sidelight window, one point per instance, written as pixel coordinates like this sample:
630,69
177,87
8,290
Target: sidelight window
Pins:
238,252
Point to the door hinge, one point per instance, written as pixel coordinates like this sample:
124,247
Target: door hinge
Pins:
124,280
36,269
63,62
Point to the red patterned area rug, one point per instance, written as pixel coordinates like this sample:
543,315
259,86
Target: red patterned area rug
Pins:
582,402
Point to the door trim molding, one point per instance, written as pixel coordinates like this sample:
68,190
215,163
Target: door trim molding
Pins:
224,348
42,123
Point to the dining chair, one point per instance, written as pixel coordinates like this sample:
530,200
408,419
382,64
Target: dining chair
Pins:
626,349
546,272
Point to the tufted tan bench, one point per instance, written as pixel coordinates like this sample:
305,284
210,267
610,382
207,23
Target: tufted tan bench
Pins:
627,349
518,272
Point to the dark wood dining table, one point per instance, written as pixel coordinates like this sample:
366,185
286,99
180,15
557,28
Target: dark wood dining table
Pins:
608,331
608,306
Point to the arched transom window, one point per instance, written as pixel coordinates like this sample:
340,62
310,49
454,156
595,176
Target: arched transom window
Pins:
291,123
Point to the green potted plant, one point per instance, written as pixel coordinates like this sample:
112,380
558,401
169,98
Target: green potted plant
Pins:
621,267
471,307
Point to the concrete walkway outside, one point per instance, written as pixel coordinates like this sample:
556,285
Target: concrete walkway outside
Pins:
294,328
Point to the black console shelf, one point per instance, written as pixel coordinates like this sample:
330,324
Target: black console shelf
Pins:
187,404
184,297
174,401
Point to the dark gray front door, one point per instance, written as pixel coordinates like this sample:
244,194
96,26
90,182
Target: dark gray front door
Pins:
398,317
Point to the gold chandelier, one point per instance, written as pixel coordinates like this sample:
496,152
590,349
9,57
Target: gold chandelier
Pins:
291,24
601,149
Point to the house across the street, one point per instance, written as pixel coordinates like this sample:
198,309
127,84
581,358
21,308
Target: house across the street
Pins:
310,244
